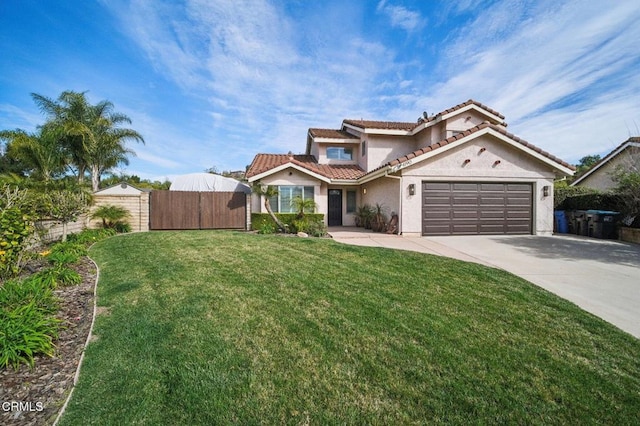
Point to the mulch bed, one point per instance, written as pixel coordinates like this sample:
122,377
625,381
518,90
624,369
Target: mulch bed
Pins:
42,390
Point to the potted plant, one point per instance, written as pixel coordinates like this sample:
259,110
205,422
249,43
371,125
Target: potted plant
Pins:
378,221
364,214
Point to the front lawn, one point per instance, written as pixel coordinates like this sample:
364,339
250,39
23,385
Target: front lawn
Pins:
224,327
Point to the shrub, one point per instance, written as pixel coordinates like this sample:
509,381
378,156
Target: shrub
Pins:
122,227
313,228
90,236
26,331
591,201
14,294
112,217
16,228
562,192
59,275
62,258
258,220
71,247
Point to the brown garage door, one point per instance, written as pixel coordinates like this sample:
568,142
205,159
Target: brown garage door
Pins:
468,208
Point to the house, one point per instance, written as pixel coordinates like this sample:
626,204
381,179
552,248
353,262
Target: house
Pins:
600,177
456,172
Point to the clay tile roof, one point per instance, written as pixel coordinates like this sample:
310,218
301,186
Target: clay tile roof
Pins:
331,134
392,125
468,132
400,125
469,102
265,162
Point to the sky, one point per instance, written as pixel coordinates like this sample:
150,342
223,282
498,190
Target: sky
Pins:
212,83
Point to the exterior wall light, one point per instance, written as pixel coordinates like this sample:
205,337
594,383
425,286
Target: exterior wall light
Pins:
495,163
467,161
482,150
545,190
412,189
364,190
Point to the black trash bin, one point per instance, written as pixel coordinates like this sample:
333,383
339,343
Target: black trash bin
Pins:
602,224
580,223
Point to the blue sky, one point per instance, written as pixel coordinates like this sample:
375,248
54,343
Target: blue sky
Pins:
214,82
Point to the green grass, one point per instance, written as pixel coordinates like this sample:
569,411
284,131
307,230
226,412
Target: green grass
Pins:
231,328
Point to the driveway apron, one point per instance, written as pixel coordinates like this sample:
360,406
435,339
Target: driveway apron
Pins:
600,276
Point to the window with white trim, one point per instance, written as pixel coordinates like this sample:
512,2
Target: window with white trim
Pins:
339,153
282,203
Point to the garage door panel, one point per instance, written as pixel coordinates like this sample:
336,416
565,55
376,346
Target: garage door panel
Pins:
492,201
464,208
492,214
491,187
438,200
465,214
471,187
464,229
461,200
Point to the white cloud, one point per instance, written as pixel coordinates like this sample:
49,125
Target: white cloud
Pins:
565,75
401,17
12,117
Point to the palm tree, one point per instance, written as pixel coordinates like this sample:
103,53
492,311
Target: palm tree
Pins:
39,152
303,205
267,192
91,134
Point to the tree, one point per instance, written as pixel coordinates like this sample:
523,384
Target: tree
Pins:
585,164
303,205
627,177
40,153
63,206
89,134
267,192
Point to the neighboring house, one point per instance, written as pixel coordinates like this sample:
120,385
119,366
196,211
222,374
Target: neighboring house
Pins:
457,172
600,176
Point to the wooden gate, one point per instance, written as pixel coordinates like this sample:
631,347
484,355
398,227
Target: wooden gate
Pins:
197,210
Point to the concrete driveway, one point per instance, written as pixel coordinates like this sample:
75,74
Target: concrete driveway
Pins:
600,276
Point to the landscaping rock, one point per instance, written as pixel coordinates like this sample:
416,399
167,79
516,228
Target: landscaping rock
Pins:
303,234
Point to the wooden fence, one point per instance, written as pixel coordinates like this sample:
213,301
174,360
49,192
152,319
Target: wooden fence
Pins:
197,210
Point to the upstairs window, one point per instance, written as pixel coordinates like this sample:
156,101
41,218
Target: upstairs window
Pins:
339,153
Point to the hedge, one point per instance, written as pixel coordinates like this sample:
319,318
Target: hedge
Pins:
313,222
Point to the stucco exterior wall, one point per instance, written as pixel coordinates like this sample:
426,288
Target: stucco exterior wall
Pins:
382,191
514,166
291,176
463,121
382,149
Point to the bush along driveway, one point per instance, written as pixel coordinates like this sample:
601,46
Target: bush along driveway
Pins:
223,327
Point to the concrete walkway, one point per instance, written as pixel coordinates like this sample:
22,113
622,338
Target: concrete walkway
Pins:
600,276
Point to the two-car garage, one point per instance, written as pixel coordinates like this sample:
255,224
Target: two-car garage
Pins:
469,208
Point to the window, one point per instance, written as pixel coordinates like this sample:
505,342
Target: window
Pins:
339,153
363,148
351,201
282,203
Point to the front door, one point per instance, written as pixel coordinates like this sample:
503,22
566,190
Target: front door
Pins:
335,207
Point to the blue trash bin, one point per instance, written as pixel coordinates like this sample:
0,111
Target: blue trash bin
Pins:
562,225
